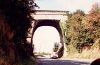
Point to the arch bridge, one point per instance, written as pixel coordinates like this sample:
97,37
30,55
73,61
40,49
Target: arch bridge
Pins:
48,18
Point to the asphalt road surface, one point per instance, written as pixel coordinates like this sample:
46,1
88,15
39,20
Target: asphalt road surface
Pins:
46,61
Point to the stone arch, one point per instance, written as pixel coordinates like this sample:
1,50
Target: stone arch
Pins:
54,23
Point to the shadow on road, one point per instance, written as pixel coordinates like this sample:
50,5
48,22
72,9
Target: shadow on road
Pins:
47,61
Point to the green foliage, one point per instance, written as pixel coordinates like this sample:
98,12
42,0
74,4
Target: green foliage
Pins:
56,46
78,32
15,20
74,29
82,30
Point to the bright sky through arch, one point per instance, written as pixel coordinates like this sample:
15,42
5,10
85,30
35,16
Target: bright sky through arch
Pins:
67,5
44,39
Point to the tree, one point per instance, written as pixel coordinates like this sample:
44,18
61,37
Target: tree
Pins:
93,20
74,29
56,46
15,20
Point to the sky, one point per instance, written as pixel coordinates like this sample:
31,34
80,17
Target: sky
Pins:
66,5
44,39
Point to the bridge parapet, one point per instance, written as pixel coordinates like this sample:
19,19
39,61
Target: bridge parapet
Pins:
50,15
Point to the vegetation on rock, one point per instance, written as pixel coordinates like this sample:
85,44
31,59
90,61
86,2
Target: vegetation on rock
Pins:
82,31
15,20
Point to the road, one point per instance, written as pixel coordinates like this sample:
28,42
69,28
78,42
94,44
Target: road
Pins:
46,61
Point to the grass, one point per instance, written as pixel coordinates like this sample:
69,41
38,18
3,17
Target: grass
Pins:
90,54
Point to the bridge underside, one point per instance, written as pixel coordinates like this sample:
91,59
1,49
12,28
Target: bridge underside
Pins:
54,23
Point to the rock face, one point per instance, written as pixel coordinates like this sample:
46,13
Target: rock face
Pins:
6,43
15,20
